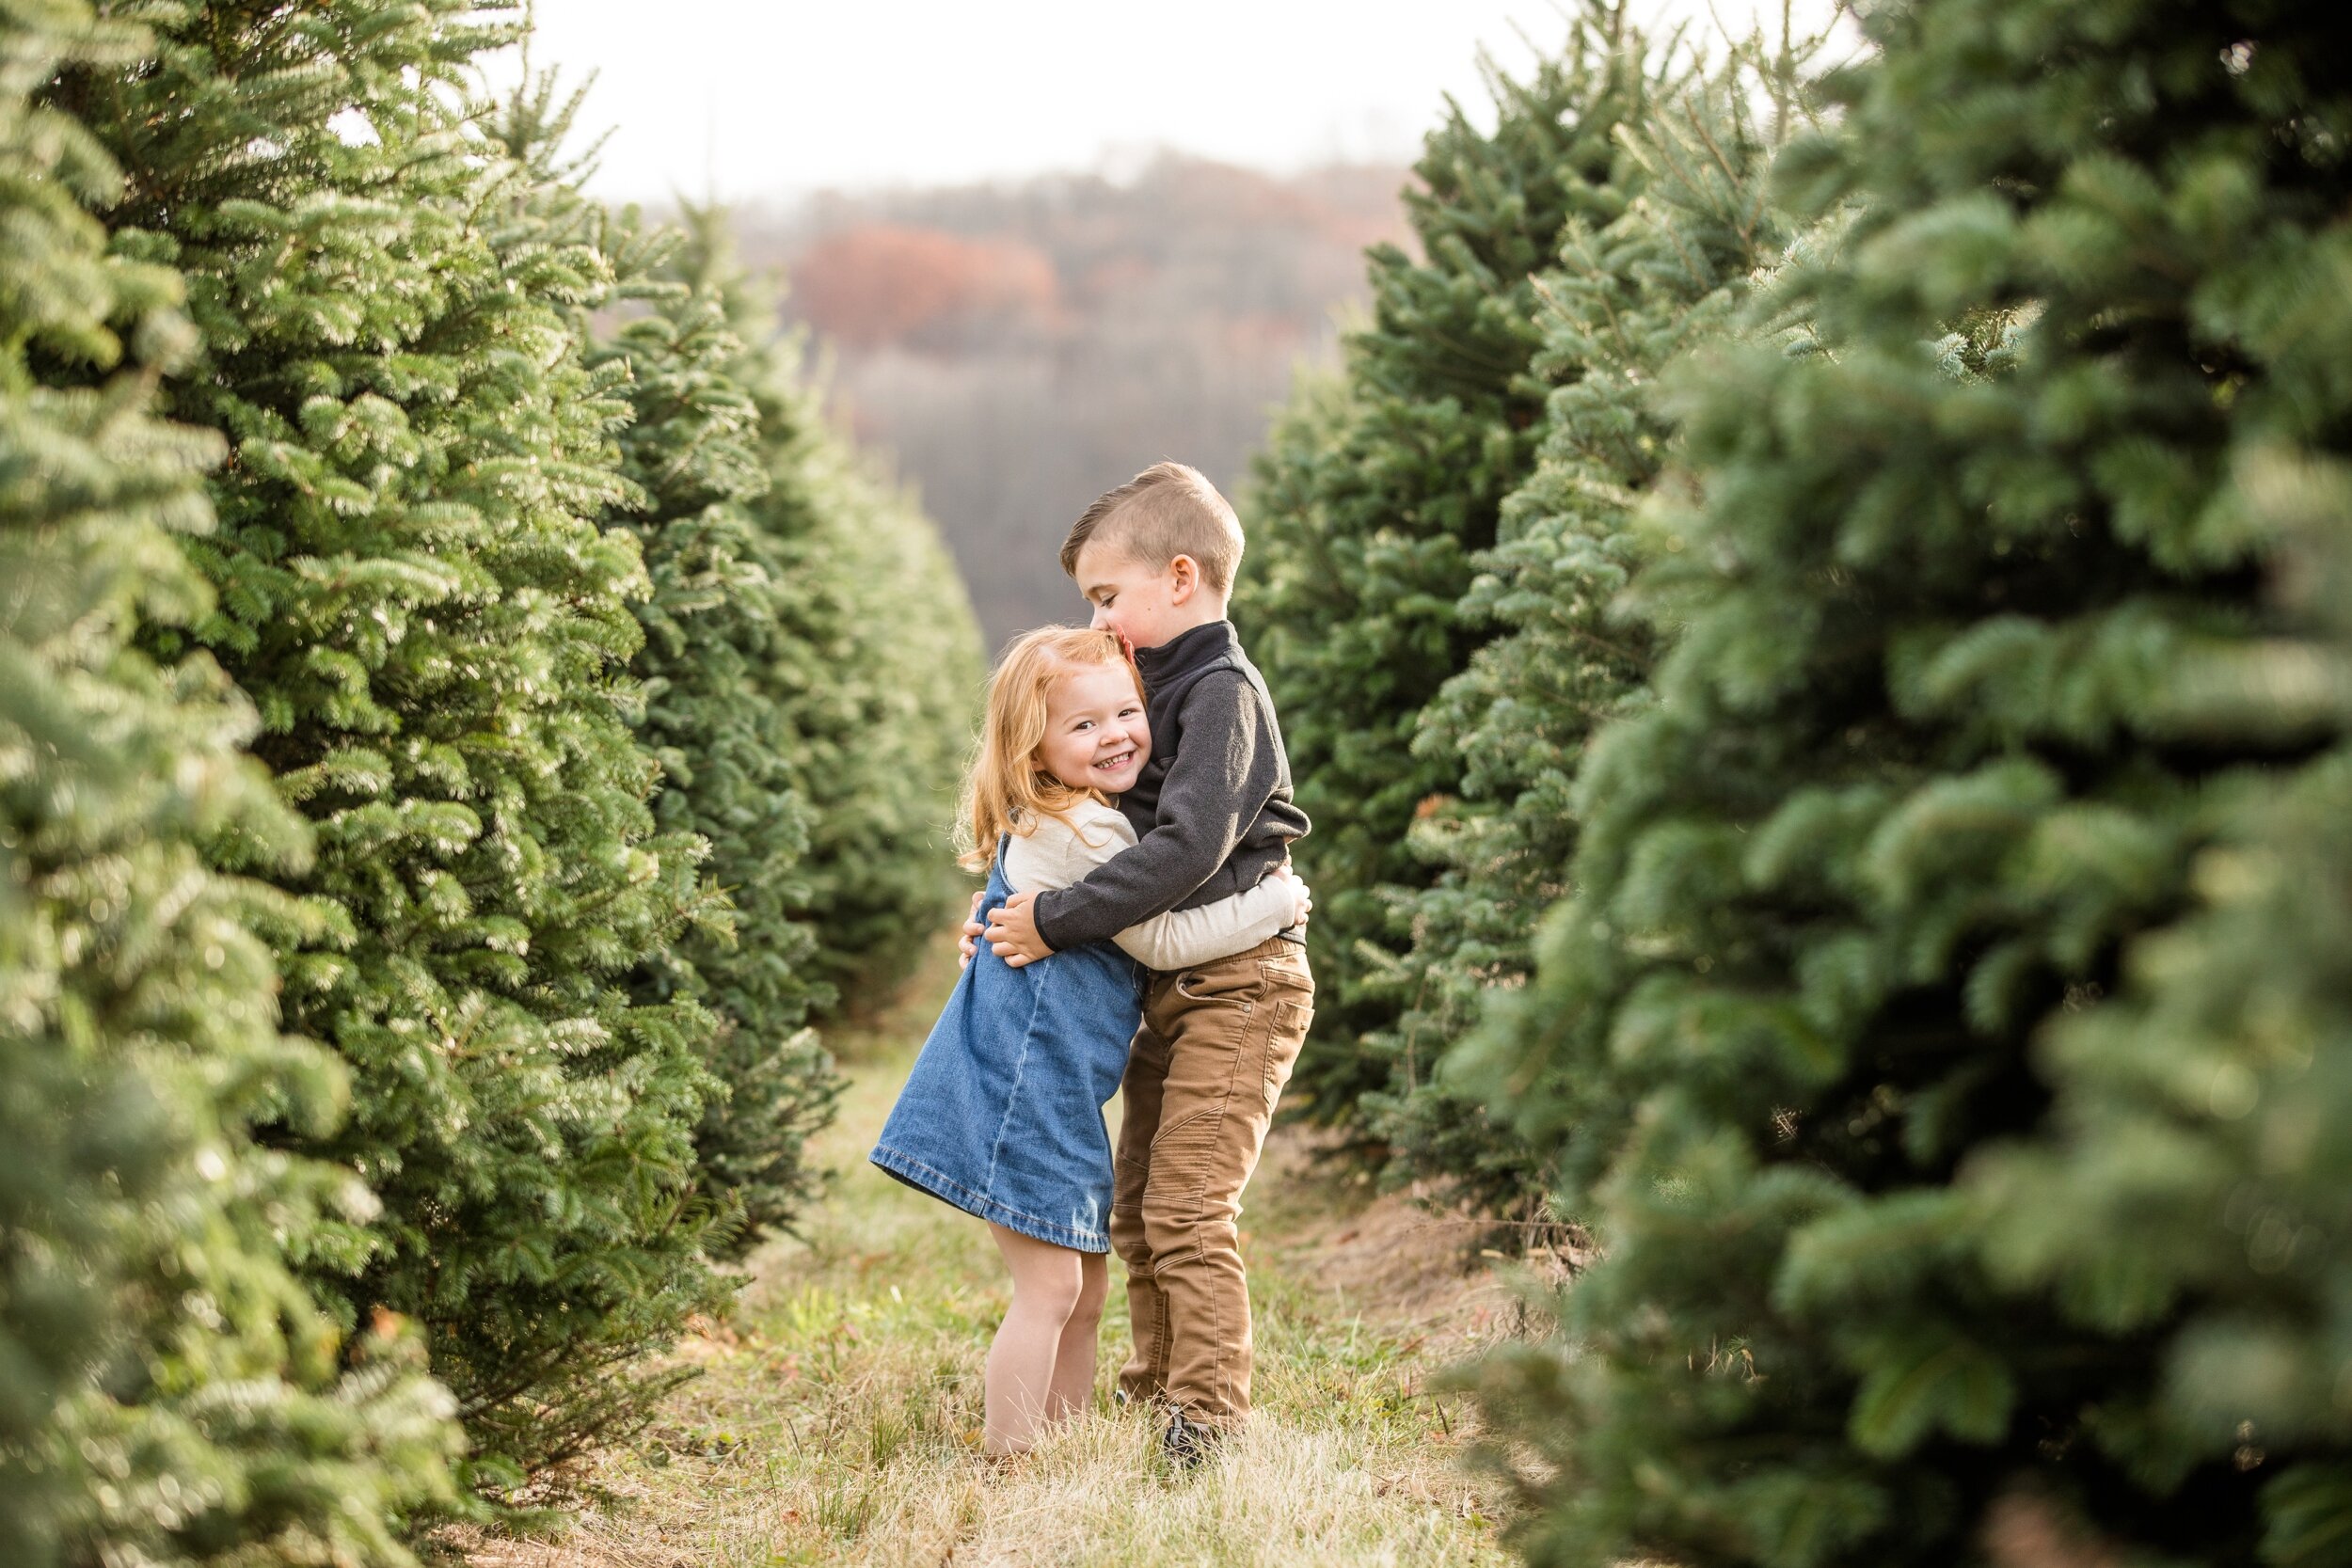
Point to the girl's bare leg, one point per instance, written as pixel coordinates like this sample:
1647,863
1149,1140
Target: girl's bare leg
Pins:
1047,1282
1073,1358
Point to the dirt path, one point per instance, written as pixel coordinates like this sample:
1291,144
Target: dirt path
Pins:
836,1421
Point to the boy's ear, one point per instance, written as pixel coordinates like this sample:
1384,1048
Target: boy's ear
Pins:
1185,576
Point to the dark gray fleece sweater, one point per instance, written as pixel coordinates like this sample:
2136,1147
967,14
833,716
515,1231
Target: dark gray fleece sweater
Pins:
1211,810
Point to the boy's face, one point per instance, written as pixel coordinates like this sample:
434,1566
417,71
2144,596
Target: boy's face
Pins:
1147,607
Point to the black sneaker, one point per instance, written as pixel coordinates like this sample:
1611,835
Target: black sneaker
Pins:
1186,1443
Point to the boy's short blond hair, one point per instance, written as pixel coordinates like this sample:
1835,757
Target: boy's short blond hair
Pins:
1170,509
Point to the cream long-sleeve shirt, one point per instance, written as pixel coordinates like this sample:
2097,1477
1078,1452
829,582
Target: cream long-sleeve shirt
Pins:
1060,852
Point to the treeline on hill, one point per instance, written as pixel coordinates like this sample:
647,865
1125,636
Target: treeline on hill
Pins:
1814,628
1021,347
463,715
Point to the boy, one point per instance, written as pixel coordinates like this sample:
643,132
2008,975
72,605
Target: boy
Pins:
1213,811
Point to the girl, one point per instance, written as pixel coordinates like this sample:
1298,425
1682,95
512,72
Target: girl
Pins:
1002,1116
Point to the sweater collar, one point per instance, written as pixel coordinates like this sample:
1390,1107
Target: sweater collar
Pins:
1186,650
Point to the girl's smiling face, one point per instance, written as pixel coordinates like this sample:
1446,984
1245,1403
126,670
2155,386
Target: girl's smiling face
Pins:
1095,734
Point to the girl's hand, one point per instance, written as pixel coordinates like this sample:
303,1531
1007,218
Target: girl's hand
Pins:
969,946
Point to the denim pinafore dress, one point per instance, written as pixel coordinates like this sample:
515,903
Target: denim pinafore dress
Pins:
1002,1114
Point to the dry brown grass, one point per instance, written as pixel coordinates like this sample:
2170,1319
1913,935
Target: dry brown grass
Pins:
837,1419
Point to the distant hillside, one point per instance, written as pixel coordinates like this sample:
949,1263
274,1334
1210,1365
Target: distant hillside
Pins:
1022,348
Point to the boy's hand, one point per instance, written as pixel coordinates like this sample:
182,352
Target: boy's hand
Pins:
1302,898
968,945
1012,932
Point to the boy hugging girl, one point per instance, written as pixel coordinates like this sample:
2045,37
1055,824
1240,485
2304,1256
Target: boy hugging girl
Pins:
1145,934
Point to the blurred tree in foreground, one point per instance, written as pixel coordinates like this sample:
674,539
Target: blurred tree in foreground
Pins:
1947,1030
169,1394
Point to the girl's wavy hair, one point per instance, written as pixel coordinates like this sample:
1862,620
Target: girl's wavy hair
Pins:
1007,790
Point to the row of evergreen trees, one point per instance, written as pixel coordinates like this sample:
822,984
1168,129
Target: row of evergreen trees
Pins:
1446,529
463,715
1851,804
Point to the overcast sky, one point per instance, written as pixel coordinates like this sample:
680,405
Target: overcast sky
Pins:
753,99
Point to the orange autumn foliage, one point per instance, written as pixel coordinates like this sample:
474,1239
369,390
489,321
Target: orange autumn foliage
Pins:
896,283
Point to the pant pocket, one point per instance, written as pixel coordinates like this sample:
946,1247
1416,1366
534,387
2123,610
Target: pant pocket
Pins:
1290,1021
1222,986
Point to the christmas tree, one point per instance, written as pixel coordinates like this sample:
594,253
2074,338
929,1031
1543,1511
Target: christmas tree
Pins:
714,673
417,593
169,1394
810,669
721,685
1946,1032
722,681
1623,301
1372,503
880,656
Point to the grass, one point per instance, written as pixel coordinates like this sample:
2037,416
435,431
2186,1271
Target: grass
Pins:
837,1419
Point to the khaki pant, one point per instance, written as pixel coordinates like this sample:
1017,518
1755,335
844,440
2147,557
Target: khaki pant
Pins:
1218,1043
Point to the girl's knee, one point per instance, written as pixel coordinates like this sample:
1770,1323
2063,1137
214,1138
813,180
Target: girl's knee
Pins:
1047,1279
1058,1300
1094,1286
1053,1293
